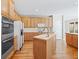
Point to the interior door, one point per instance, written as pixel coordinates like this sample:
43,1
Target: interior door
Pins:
57,26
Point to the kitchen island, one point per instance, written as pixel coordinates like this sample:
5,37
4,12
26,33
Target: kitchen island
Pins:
72,39
44,46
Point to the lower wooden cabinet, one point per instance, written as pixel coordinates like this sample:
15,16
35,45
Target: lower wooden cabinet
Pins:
30,35
69,39
72,39
75,41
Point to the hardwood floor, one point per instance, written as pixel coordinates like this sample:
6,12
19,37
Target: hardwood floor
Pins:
63,51
26,52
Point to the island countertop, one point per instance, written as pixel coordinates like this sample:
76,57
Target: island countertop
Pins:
44,36
73,33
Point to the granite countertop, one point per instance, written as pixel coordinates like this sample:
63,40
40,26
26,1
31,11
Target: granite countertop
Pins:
44,36
74,33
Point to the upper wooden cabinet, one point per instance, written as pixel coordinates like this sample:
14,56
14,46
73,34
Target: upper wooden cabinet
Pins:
12,12
17,17
31,22
5,8
8,10
26,21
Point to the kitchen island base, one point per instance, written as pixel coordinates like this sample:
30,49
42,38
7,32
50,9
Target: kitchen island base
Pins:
44,47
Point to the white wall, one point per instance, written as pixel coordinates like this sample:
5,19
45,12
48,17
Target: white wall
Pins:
70,13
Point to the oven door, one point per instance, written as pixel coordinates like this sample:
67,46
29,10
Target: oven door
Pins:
7,44
7,28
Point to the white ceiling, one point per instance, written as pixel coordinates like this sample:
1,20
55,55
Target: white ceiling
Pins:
42,7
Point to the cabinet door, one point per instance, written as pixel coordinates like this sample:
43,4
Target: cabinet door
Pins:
75,41
17,17
69,39
11,10
26,21
26,36
35,22
5,8
32,21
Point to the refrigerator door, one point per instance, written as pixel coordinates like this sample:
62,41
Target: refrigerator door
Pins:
23,34
21,31
17,32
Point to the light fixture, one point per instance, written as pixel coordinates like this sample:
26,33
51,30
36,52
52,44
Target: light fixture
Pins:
36,10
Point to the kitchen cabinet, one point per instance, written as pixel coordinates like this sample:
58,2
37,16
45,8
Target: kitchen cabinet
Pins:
5,8
72,32
75,40
8,10
45,20
31,22
69,39
17,17
4,13
29,35
12,12
72,39
26,21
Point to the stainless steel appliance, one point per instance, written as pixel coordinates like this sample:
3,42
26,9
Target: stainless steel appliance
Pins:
18,31
7,36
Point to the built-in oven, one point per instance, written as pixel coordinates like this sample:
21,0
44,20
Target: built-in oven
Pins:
7,42
7,26
7,36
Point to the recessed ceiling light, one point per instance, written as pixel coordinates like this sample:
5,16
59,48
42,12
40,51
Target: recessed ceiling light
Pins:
36,10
